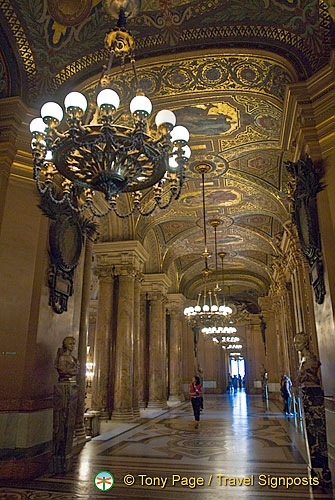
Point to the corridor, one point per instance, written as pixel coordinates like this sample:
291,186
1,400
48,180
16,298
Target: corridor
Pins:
238,438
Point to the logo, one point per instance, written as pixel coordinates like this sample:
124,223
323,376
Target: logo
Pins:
104,481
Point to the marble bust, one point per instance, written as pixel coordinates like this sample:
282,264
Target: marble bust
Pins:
309,364
66,364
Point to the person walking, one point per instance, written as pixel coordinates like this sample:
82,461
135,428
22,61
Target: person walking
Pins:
285,390
201,378
196,394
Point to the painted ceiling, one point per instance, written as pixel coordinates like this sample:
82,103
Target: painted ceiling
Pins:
223,67
48,42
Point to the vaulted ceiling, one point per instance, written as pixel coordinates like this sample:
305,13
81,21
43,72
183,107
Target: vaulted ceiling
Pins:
222,67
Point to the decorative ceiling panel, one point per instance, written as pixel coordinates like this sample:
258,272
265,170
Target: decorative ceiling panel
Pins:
59,39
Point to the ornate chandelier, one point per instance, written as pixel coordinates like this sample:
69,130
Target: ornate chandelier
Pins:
96,155
219,330
208,308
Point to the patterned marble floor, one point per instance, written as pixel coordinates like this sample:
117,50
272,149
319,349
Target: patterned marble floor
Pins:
238,438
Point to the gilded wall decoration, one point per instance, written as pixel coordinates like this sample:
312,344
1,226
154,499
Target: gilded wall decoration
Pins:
5,86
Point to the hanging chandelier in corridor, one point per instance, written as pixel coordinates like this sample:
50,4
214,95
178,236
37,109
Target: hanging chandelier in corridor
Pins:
208,308
97,155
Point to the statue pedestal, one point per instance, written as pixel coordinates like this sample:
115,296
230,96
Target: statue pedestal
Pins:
65,407
315,431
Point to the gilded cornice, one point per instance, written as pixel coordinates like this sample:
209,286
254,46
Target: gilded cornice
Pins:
309,114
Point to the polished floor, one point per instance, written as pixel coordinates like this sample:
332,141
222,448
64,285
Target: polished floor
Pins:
240,437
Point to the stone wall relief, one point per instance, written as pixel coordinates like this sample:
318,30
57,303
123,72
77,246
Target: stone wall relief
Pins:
304,185
66,238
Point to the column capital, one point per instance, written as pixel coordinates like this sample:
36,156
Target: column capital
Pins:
121,253
104,272
176,302
125,270
156,295
156,283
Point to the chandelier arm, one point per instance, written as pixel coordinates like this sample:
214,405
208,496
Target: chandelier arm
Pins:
181,183
162,207
76,209
98,214
124,216
36,177
145,214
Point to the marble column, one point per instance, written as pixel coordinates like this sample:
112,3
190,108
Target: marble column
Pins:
157,398
102,342
175,306
138,361
272,354
82,342
127,258
142,364
123,387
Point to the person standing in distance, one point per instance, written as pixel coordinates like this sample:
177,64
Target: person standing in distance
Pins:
195,392
201,378
285,390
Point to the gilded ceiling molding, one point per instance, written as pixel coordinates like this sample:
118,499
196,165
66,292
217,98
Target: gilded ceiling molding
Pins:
212,71
23,46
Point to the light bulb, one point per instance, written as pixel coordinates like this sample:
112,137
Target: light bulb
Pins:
197,309
109,97
165,116
214,308
38,125
48,156
205,308
180,133
75,100
140,103
52,110
173,165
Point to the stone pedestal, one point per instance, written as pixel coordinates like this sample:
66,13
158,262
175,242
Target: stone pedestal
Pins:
315,431
65,407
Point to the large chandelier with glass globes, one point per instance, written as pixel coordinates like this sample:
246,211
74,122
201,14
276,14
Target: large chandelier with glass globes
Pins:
208,310
95,154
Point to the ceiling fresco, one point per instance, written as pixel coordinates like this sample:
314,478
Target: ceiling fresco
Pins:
55,40
223,68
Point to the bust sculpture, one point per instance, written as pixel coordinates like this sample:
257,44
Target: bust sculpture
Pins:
66,364
309,364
